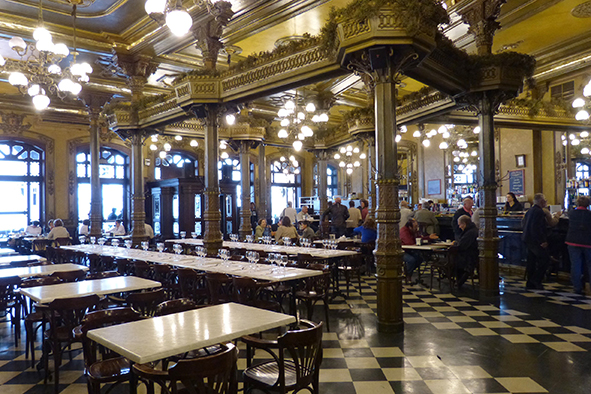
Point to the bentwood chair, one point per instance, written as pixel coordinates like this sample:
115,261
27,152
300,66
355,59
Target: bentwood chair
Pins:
10,303
192,285
316,288
65,314
102,365
295,365
145,302
214,374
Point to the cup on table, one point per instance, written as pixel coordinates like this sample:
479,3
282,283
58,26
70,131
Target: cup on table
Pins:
419,240
183,234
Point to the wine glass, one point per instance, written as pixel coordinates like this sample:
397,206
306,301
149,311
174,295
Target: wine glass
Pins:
160,246
92,240
115,242
82,239
101,241
145,245
193,235
128,243
284,261
183,234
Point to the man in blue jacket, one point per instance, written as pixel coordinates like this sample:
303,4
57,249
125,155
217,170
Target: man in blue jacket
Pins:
535,237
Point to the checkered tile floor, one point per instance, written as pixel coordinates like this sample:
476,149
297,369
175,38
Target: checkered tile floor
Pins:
451,344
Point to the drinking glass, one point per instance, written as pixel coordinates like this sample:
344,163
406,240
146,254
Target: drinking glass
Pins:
92,240
284,261
145,245
160,246
193,235
115,242
183,234
128,243
82,239
178,249
101,241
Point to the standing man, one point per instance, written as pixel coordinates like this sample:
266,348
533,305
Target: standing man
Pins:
536,238
338,214
427,219
466,209
290,212
354,218
578,240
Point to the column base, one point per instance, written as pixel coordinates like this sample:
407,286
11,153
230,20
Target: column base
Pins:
387,327
212,247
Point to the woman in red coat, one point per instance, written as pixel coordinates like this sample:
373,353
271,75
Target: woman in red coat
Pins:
408,235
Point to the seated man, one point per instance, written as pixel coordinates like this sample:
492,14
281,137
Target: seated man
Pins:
307,232
412,258
467,247
117,229
84,227
33,228
148,230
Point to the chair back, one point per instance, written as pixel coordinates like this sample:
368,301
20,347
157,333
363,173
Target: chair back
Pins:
67,313
303,347
215,374
246,290
164,274
44,281
320,283
192,285
146,302
219,289
63,241
124,267
142,269
103,318
70,276
175,306
8,296
101,275
50,254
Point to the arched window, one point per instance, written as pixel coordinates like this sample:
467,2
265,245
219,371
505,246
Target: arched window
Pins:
582,170
113,174
175,165
286,186
21,180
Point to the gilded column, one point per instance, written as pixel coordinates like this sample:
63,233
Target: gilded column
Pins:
94,103
138,201
488,239
371,184
322,186
263,188
388,250
245,226
212,216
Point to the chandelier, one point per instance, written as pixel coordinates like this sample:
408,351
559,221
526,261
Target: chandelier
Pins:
297,119
165,146
38,71
349,157
172,13
579,140
286,166
583,104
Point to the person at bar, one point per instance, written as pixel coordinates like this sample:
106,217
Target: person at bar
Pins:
578,239
467,246
364,208
466,209
354,218
536,238
427,218
285,230
58,230
512,205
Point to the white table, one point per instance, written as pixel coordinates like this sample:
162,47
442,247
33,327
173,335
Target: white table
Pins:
315,252
46,294
40,270
161,337
7,252
237,268
6,261
428,247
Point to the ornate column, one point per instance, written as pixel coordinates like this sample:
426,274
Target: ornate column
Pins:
208,34
212,216
245,226
94,102
263,189
371,184
482,16
322,186
388,250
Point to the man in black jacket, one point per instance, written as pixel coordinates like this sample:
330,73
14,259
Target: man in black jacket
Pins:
467,246
535,237
466,209
338,215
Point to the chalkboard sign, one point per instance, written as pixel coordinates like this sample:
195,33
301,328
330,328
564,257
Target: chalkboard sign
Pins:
516,182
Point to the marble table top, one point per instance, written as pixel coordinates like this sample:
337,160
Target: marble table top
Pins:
160,337
7,252
5,261
46,294
316,252
237,268
40,270
437,246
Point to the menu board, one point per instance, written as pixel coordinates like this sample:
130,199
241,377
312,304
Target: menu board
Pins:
517,182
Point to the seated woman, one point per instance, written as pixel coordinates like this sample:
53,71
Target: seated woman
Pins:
285,230
512,205
307,232
367,230
33,228
84,227
117,229
259,231
58,230
408,235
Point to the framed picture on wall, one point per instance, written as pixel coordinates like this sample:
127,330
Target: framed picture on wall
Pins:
520,161
434,187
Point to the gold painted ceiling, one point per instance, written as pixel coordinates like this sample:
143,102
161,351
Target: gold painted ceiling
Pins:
548,29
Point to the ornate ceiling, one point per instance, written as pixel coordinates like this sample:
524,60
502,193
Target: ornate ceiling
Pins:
535,27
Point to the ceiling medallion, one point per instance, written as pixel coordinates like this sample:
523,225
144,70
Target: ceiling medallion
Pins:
583,10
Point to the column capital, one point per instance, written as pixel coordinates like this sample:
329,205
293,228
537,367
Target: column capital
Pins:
486,101
481,16
136,67
208,34
94,101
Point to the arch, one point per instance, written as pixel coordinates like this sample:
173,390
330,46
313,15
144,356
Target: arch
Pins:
178,163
